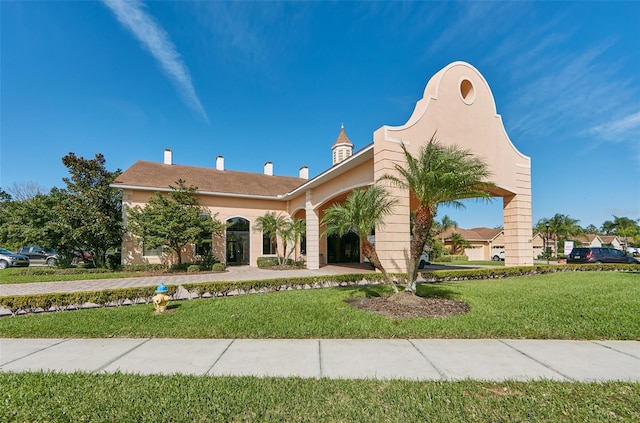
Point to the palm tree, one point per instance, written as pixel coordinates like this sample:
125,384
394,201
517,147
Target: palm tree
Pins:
458,243
292,231
625,227
272,224
561,226
361,212
440,175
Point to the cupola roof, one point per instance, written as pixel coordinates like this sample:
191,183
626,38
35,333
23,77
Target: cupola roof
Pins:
343,138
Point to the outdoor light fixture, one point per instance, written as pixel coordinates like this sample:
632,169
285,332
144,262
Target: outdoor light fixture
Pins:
546,242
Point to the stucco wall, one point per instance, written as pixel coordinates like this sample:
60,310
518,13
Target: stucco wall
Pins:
459,108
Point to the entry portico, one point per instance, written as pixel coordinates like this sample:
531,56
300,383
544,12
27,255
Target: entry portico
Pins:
457,105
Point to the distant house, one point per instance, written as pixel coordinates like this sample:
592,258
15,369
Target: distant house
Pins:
612,241
587,240
485,242
538,242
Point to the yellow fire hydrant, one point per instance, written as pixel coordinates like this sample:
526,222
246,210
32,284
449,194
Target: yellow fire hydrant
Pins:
161,299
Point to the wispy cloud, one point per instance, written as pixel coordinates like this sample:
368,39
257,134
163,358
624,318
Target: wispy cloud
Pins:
134,17
618,128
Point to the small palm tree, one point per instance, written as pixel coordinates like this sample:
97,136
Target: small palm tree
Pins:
291,232
361,212
458,243
273,225
440,175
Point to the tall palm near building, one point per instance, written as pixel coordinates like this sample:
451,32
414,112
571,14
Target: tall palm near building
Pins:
439,175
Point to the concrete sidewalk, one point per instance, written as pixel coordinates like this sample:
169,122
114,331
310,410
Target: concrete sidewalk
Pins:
416,359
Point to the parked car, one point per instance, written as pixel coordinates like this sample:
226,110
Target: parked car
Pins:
81,256
498,257
10,259
600,255
424,260
39,255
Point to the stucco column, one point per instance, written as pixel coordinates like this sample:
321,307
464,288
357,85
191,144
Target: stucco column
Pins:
393,238
312,233
518,231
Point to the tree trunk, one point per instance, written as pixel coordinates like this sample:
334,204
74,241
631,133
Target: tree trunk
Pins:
177,249
369,252
422,223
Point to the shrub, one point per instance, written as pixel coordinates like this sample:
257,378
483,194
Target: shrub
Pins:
208,261
218,267
113,261
193,268
146,267
267,262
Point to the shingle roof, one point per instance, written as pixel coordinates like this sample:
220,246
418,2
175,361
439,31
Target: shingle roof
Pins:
475,234
343,138
151,175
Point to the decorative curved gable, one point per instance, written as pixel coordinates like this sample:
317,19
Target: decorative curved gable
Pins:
459,107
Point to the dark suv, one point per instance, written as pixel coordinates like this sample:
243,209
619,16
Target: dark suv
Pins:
40,255
599,255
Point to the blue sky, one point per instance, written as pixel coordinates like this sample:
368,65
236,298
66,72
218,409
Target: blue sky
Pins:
272,81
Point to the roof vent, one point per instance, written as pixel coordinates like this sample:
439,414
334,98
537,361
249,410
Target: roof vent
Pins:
220,163
268,168
168,156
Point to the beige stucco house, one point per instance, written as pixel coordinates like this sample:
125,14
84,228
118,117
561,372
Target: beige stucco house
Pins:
457,103
485,243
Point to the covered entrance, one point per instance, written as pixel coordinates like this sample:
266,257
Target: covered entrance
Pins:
237,245
344,249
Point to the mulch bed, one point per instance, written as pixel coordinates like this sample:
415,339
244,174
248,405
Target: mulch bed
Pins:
406,305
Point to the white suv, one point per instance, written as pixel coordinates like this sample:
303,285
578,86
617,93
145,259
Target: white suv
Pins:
424,260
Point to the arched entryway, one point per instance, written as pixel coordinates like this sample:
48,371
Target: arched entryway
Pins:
237,244
344,249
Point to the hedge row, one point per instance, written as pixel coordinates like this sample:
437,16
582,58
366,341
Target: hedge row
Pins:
451,257
508,272
219,289
74,300
266,262
45,271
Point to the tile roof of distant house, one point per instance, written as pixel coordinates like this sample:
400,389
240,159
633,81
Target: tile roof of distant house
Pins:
608,239
475,234
585,238
151,175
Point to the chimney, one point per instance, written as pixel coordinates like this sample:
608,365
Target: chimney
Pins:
168,156
220,163
268,168
304,172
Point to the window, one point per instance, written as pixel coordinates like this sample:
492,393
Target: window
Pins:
268,245
203,248
151,251
303,244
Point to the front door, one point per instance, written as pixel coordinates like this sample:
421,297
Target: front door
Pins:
344,249
237,246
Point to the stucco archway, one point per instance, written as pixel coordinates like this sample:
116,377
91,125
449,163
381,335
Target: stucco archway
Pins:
457,105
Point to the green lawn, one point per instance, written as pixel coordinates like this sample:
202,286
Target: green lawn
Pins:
118,398
48,274
576,305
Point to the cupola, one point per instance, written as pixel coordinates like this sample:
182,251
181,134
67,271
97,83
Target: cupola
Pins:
342,148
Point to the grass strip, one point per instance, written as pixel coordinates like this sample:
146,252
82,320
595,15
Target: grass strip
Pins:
79,397
575,305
